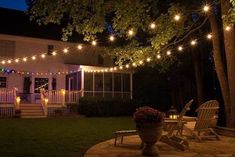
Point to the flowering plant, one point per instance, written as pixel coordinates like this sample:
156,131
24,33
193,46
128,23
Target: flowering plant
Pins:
147,114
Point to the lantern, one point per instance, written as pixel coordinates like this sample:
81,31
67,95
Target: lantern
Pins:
173,113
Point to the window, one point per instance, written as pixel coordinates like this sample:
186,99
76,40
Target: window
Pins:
108,81
88,81
40,83
98,82
3,82
126,82
117,81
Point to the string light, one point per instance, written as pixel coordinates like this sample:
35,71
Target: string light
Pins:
24,59
3,62
168,52
193,42
120,67
33,57
206,8
111,38
131,32
134,64
158,56
148,59
43,55
180,48
54,53
9,61
94,43
153,25
127,66
177,17
209,36
79,47
17,60
227,28
65,50
141,62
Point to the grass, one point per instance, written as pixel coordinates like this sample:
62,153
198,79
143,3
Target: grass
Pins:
56,137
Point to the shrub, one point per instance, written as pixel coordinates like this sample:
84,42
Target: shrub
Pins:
95,106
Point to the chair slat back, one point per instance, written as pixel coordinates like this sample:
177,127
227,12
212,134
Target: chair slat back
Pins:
185,109
206,114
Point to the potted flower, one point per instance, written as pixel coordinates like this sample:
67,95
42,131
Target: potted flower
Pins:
149,124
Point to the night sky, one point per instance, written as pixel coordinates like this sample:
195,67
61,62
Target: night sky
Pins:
13,4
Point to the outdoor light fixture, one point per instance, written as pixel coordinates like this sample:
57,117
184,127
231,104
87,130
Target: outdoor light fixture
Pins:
177,17
111,38
172,113
43,55
131,32
193,42
115,68
79,47
9,61
158,56
121,67
94,43
180,48
153,25
134,64
63,91
127,66
141,62
54,53
168,52
46,101
3,62
148,59
209,36
206,8
17,60
65,50
18,102
227,28
24,59
33,57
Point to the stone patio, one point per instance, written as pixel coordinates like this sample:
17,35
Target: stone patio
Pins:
131,148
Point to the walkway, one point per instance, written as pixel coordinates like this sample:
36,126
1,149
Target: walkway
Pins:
130,148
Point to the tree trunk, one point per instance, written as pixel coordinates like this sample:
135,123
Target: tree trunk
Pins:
229,43
219,67
198,76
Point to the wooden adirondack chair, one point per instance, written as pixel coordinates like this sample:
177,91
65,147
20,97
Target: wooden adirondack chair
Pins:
206,115
176,125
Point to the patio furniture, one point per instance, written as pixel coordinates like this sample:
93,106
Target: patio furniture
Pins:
169,136
172,125
206,116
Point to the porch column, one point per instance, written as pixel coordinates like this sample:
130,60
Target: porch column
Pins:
131,85
82,83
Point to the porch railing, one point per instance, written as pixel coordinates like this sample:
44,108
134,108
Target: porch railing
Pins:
7,96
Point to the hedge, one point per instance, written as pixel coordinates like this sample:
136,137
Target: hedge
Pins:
101,107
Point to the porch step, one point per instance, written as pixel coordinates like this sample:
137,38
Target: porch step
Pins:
31,111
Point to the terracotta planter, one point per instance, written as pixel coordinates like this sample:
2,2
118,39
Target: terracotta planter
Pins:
150,133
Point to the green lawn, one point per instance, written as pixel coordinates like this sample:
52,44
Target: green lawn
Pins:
56,137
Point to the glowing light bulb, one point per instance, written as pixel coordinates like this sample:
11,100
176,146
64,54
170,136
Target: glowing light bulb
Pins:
209,36
148,59
180,48
43,55
115,68
168,52
227,28
79,47
94,43
65,50
3,62
17,60
131,32
177,17
111,38
193,42
54,53
134,64
206,8
158,56
127,66
141,62
24,59
153,25
33,57
121,67
9,61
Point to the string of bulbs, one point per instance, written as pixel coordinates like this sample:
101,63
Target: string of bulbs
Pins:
206,8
